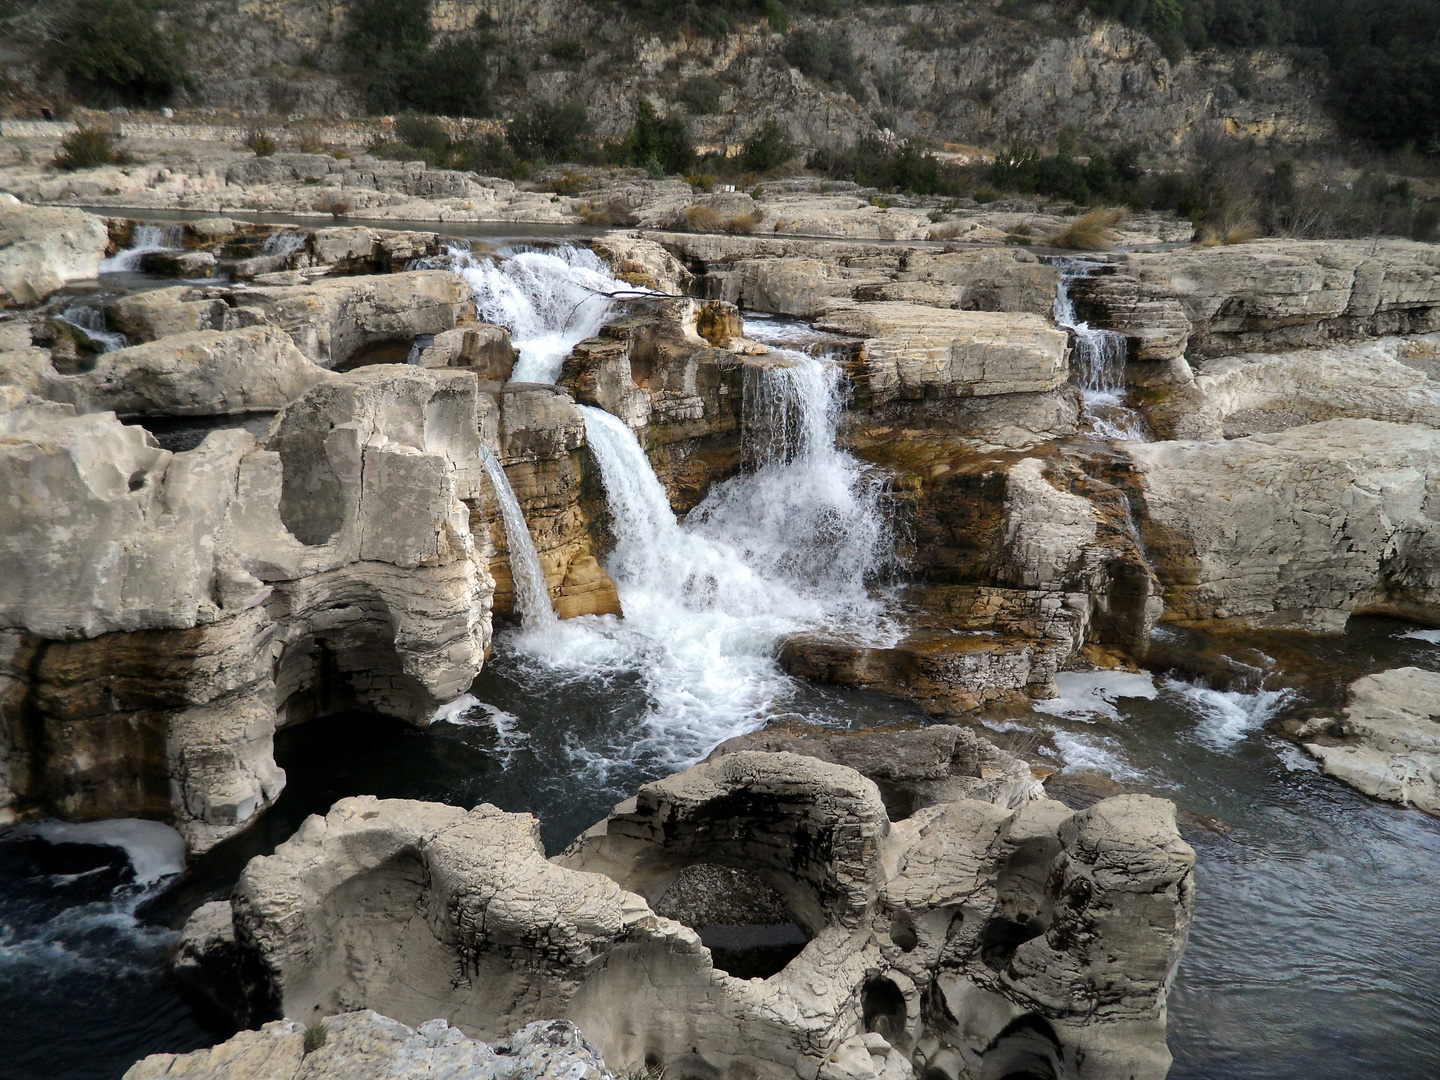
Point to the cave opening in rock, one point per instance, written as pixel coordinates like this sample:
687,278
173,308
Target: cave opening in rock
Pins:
386,351
181,433
1026,1050
746,924
882,1010
1001,937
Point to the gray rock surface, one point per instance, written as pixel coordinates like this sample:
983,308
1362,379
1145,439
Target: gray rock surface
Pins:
425,910
364,1045
43,249
1388,742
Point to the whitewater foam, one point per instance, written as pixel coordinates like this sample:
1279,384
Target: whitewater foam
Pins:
143,240
1084,751
548,300
532,595
155,850
1431,637
1226,717
1100,357
1085,695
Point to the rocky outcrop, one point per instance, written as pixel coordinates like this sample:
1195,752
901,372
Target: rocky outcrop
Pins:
1301,528
1049,936
203,373
43,249
1265,296
367,1046
1388,742
912,769
167,611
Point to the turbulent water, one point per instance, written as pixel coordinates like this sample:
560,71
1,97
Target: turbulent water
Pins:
92,321
1100,357
143,240
1312,954
532,597
548,300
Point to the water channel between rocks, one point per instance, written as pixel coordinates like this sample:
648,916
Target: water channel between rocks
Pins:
1311,954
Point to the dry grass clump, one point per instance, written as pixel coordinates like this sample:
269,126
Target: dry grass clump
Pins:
701,218
614,211
334,206
1242,233
1094,230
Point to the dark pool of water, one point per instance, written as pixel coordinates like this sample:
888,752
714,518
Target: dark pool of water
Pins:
1312,953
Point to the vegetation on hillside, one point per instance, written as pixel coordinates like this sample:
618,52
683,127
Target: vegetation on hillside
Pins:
390,41
113,53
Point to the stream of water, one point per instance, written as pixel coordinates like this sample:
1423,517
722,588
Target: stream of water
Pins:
1312,954
1099,360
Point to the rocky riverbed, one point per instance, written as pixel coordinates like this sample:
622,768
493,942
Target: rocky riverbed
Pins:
615,506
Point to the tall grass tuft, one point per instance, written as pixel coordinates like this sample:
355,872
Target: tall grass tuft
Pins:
1094,230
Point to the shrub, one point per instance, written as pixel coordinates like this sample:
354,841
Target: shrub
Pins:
1093,230
826,57
910,168
659,146
549,132
390,41
570,182
333,205
568,52
701,182
701,218
701,95
614,211
88,148
262,144
315,1036
310,144
110,51
766,150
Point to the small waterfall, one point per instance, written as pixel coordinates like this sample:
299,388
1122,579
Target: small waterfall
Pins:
548,300
1100,357
532,597
284,244
91,321
143,240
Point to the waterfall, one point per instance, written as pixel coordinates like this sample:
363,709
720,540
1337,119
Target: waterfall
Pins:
532,597
548,300
91,321
143,240
283,244
1100,357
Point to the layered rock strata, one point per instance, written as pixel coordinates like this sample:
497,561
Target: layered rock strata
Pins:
167,610
964,939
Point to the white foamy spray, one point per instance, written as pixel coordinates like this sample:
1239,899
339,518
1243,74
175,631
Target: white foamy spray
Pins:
548,300
143,240
532,596
1100,358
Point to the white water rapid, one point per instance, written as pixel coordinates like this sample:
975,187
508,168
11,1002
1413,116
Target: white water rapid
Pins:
532,597
92,321
1100,356
548,300
143,240
784,548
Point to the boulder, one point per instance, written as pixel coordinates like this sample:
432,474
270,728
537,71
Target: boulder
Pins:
426,910
43,249
367,1046
167,611
483,349
202,373
913,351
179,264
350,322
1388,742
1302,528
181,309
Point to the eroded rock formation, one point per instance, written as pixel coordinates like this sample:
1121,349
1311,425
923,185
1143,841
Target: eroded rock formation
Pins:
967,936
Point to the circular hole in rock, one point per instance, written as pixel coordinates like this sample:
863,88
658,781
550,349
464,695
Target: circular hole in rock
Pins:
882,1007
902,932
744,922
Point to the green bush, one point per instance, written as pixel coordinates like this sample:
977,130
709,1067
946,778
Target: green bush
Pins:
568,52
766,150
908,168
88,148
390,41
550,132
656,145
701,95
111,52
827,57
262,144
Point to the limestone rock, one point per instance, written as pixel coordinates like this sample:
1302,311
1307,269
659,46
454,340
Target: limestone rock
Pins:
425,910
180,264
202,373
1301,528
483,349
349,322
367,1046
915,351
43,249
643,263
1388,742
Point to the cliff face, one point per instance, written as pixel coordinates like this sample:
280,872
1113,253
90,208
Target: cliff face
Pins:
957,73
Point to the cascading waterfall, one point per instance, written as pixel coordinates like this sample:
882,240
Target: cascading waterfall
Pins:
283,244
532,597
548,300
143,240
1100,359
92,321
